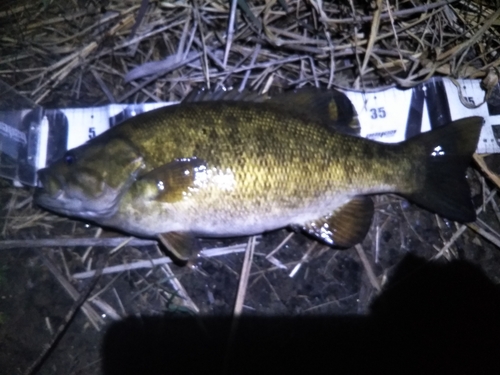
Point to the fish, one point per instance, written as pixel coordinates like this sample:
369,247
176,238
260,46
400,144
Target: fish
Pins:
245,164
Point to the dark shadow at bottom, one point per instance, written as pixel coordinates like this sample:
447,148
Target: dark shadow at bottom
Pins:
431,318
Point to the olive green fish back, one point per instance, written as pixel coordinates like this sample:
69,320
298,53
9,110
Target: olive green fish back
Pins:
269,150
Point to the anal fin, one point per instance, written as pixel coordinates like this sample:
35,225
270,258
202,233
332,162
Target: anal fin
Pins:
346,226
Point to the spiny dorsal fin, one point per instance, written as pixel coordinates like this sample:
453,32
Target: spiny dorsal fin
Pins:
328,107
204,94
346,226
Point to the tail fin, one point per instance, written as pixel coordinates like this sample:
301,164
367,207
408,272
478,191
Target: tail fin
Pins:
447,152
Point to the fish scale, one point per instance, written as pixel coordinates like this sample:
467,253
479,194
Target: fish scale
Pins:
307,151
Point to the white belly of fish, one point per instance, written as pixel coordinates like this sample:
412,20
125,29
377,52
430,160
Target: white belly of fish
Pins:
152,218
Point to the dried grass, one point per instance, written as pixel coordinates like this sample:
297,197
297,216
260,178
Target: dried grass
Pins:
60,54
87,53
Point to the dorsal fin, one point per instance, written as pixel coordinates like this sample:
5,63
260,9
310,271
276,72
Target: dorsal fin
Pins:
328,107
331,108
204,94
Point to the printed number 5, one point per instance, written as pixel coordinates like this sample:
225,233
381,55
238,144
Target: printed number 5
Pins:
91,133
378,113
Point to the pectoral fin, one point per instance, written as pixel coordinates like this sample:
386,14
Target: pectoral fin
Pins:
182,245
346,226
176,179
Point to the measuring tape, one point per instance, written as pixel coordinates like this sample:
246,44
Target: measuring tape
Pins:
31,139
395,115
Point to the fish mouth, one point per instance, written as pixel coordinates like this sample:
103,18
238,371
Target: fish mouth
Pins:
41,191
49,192
57,202
49,182
62,204
53,193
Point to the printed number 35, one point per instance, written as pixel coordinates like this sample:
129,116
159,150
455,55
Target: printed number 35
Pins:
377,113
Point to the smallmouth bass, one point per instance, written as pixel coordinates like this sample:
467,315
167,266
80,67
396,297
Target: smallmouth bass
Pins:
246,166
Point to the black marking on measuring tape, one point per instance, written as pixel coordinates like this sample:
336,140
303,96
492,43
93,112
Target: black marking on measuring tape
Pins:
58,135
433,94
494,102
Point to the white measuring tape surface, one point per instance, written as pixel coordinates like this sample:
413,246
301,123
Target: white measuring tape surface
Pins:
32,139
395,115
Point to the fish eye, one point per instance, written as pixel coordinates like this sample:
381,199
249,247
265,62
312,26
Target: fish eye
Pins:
69,158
